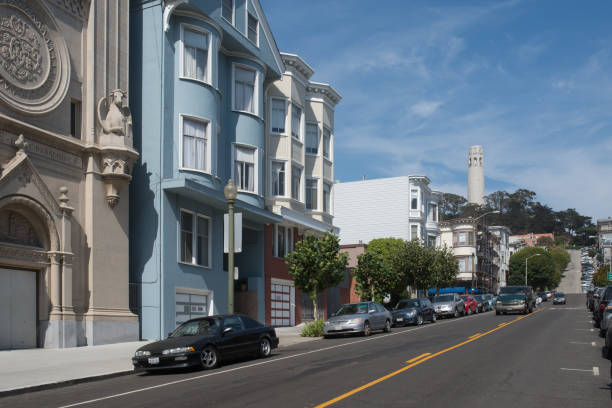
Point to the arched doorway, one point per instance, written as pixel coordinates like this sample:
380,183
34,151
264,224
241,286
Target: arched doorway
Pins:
24,246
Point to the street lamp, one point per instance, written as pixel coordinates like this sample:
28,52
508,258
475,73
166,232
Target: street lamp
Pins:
486,241
230,192
526,259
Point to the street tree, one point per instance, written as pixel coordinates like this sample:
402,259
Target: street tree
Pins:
546,241
373,279
600,278
419,262
444,267
316,264
541,269
393,253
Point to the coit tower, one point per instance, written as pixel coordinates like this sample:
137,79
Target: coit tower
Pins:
476,175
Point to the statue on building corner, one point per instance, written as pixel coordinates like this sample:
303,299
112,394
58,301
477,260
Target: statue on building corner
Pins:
114,115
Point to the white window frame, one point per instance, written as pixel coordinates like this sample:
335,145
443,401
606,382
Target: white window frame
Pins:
255,90
319,138
316,204
285,162
286,102
301,186
329,153
208,124
255,166
246,31
330,185
194,238
288,240
299,132
209,65
233,12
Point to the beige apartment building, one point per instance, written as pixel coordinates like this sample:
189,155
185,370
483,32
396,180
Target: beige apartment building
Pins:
65,157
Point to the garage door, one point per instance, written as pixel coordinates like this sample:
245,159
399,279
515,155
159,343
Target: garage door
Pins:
17,309
282,307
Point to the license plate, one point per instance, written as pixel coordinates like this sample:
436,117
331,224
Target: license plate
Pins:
154,360
400,319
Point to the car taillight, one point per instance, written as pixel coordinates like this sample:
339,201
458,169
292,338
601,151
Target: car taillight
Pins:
602,306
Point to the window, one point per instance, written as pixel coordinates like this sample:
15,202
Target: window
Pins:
253,29
283,241
414,199
278,116
244,168
326,197
227,10
433,213
244,89
296,175
296,122
75,119
278,178
326,143
194,145
234,323
195,54
471,238
195,239
311,194
414,232
312,138
462,264
462,238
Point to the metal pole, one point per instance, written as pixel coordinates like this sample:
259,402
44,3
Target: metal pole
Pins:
526,259
230,260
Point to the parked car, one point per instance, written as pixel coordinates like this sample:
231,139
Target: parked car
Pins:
362,318
515,299
605,300
606,320
471,306
481,303
543,296
608,347
207,341
490,299
559,298
413,311
449,305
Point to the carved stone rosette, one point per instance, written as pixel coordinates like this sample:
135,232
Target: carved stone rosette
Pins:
116,174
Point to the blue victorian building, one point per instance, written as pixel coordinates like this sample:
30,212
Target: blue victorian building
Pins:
199,71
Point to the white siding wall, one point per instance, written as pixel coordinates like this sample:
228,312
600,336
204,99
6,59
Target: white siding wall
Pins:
369,209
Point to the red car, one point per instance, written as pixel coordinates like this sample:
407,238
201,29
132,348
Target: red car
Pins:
471,306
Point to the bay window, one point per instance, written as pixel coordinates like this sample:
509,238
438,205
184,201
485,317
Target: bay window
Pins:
244,89
253,28
244,168
326,197
311,194
283,241
195,54
278,116
278,178
296,176
312,138
296,122
195,145
326,143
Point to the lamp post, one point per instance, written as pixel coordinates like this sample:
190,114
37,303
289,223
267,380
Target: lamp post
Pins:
526,259
486,238
230,192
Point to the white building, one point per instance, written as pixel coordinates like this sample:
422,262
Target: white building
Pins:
476,175
399,207
503,250
460,235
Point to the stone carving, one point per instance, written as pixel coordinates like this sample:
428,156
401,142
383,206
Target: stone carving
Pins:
34,63
33,147
116,174
16,229
114,115
77,8
24,254
115,164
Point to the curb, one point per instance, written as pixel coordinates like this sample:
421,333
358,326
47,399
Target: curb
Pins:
59,384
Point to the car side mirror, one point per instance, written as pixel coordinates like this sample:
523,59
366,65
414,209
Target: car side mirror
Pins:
372,311
227,330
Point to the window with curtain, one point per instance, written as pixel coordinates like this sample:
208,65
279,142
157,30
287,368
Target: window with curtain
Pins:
462,264
312,138
462,238
228,10
244,168
244,89
414,200
278,178
296,175
194,145
326,197
195,54
311,194
278,116
202,242
326,143
252,28
296,122
186,237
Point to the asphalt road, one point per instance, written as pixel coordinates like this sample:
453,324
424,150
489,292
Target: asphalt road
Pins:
570,283
548,358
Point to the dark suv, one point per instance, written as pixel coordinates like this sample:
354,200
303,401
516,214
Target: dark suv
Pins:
515,299
605,301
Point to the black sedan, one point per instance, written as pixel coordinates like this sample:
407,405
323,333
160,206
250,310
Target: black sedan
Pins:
205,342
413,311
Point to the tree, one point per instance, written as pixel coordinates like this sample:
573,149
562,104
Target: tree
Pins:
541,269
418,261
393,253
450,206
600,278
444,267
316,265
373,279
546,242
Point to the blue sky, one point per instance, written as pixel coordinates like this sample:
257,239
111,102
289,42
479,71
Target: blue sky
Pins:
422,81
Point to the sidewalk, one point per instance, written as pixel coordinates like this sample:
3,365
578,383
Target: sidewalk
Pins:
34,368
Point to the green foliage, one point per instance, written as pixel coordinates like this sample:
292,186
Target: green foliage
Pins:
393,253
373,279
444,267
592,253
316,264
542,271
600,278
313,329
419,261
560,256
546,242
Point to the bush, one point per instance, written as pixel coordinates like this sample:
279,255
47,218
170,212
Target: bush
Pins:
313,329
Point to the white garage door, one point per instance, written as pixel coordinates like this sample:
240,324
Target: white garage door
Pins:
282,308
17,309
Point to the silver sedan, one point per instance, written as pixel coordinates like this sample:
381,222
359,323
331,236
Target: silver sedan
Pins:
362,318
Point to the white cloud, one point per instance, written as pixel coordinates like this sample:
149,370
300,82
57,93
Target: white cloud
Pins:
425,109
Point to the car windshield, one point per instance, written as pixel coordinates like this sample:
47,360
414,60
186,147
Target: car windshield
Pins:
560,295
509,290
444,298
405,304
353,308
202,327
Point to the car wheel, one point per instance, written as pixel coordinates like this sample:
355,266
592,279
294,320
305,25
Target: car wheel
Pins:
387,328
366,329
419,320
497,312
469,312
433,318
265,349
456,314
209,357
602,333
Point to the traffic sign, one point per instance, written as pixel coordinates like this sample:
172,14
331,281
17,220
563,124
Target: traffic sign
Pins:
609,276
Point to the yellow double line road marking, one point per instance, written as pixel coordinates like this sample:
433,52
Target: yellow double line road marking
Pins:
418,360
